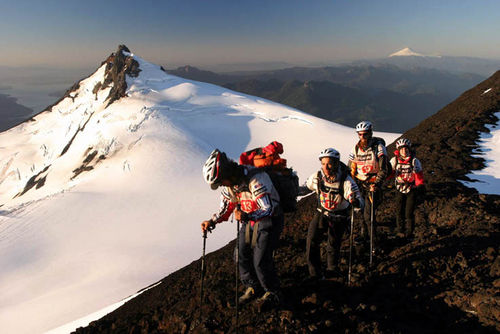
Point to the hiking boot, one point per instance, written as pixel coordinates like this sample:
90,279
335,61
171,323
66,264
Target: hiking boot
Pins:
312,280
270,298
247,296
333,273
399,230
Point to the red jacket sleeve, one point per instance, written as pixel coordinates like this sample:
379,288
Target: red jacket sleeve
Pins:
419,178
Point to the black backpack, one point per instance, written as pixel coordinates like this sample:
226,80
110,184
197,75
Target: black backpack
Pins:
286,183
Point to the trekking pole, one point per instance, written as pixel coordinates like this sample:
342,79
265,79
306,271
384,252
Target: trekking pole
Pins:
203,269
237,271
350,247
371,228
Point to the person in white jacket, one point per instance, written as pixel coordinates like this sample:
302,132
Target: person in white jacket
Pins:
336,193
250,194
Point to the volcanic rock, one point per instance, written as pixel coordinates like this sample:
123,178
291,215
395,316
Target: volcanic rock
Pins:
442,280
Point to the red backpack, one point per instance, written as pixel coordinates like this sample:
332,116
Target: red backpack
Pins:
284,179
264,156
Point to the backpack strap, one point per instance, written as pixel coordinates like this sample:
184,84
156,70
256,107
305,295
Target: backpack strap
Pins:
254,171
411,161
320,179
251,238
247,233
344,171
375,142
255,234
373,147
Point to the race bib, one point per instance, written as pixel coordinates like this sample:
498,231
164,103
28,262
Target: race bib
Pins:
327,202
248,206
367,169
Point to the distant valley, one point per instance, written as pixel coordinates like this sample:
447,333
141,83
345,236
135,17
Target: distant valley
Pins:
394,99
391,93
11,113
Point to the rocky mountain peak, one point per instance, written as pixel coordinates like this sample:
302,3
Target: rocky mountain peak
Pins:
118,65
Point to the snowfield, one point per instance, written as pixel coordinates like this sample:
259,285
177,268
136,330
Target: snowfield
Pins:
487,180
99,202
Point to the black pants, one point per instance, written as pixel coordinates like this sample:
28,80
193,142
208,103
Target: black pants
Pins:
257,265
377,199
335,229
405,206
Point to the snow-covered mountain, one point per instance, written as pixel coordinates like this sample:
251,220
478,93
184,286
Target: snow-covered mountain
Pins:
102,194
406,52
408,59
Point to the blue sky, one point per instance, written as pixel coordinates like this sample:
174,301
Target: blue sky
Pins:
76,33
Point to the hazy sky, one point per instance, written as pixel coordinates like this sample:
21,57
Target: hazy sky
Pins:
81,33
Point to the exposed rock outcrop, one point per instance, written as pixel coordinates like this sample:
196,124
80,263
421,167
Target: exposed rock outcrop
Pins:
118,66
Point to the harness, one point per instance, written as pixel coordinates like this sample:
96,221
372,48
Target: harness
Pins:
250,237
253,241
372,176
330,191
409,162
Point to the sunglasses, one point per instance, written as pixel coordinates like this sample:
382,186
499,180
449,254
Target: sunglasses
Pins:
364,135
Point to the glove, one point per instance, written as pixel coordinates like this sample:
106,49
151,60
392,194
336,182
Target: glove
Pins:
355,203
207,225
240,215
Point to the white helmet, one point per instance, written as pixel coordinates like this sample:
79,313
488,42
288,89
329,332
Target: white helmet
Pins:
364,126
212,168
329,153
403,142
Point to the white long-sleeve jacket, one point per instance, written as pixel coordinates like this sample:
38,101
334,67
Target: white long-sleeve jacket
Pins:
330,193
259,199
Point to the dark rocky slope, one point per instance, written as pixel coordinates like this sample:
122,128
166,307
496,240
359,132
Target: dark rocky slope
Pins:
445,280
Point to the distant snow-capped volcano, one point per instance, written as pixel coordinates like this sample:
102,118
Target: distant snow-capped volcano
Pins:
409,52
